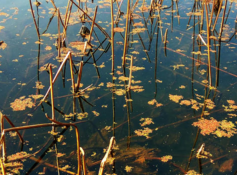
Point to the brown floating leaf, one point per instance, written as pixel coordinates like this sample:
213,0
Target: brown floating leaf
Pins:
118,29
3,46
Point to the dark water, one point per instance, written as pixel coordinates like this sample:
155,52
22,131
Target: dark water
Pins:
163,72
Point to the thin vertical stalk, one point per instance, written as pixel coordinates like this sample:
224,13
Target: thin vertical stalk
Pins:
79,76
222,21
72,72
126,33
217,16
208,47
92,26
59,38
51,91
130,74
112,34
36,27
213,5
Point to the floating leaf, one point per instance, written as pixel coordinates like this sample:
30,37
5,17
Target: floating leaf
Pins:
166,158
118,29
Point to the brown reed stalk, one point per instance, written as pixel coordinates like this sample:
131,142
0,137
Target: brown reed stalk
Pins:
83,161
50,165
52,94
130,74
222,21
92,25
67,17
217,16
165,37
52,1
79,77
208,46
126,33
119,12
99,27
112,35
96,67
36,27
59,38
56,76
213,5
102,164
72,72
78,141
2,167
12,125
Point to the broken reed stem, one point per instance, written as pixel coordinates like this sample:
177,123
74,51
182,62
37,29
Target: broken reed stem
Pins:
222,21
213,5
36,27
78,141
200,36
126,34
83,161
59,38
208,47
119,11
102,164
130,74
72,72
93,22
112,35
79,76
217,16
56,76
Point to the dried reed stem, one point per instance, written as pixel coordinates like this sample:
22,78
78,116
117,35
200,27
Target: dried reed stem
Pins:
119,11
130,74
126,33
52,1
36,27
213,5
222,21
78,141
59,38
102,164
56,76
50,165
165,37
52,94
83,161
208,46
72,72
12,125
92,25
101,29
79,76
112,35
2,167
217,16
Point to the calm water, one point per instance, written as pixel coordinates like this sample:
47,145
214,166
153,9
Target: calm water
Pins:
159,74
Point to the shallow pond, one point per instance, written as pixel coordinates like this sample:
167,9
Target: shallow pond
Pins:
174,113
